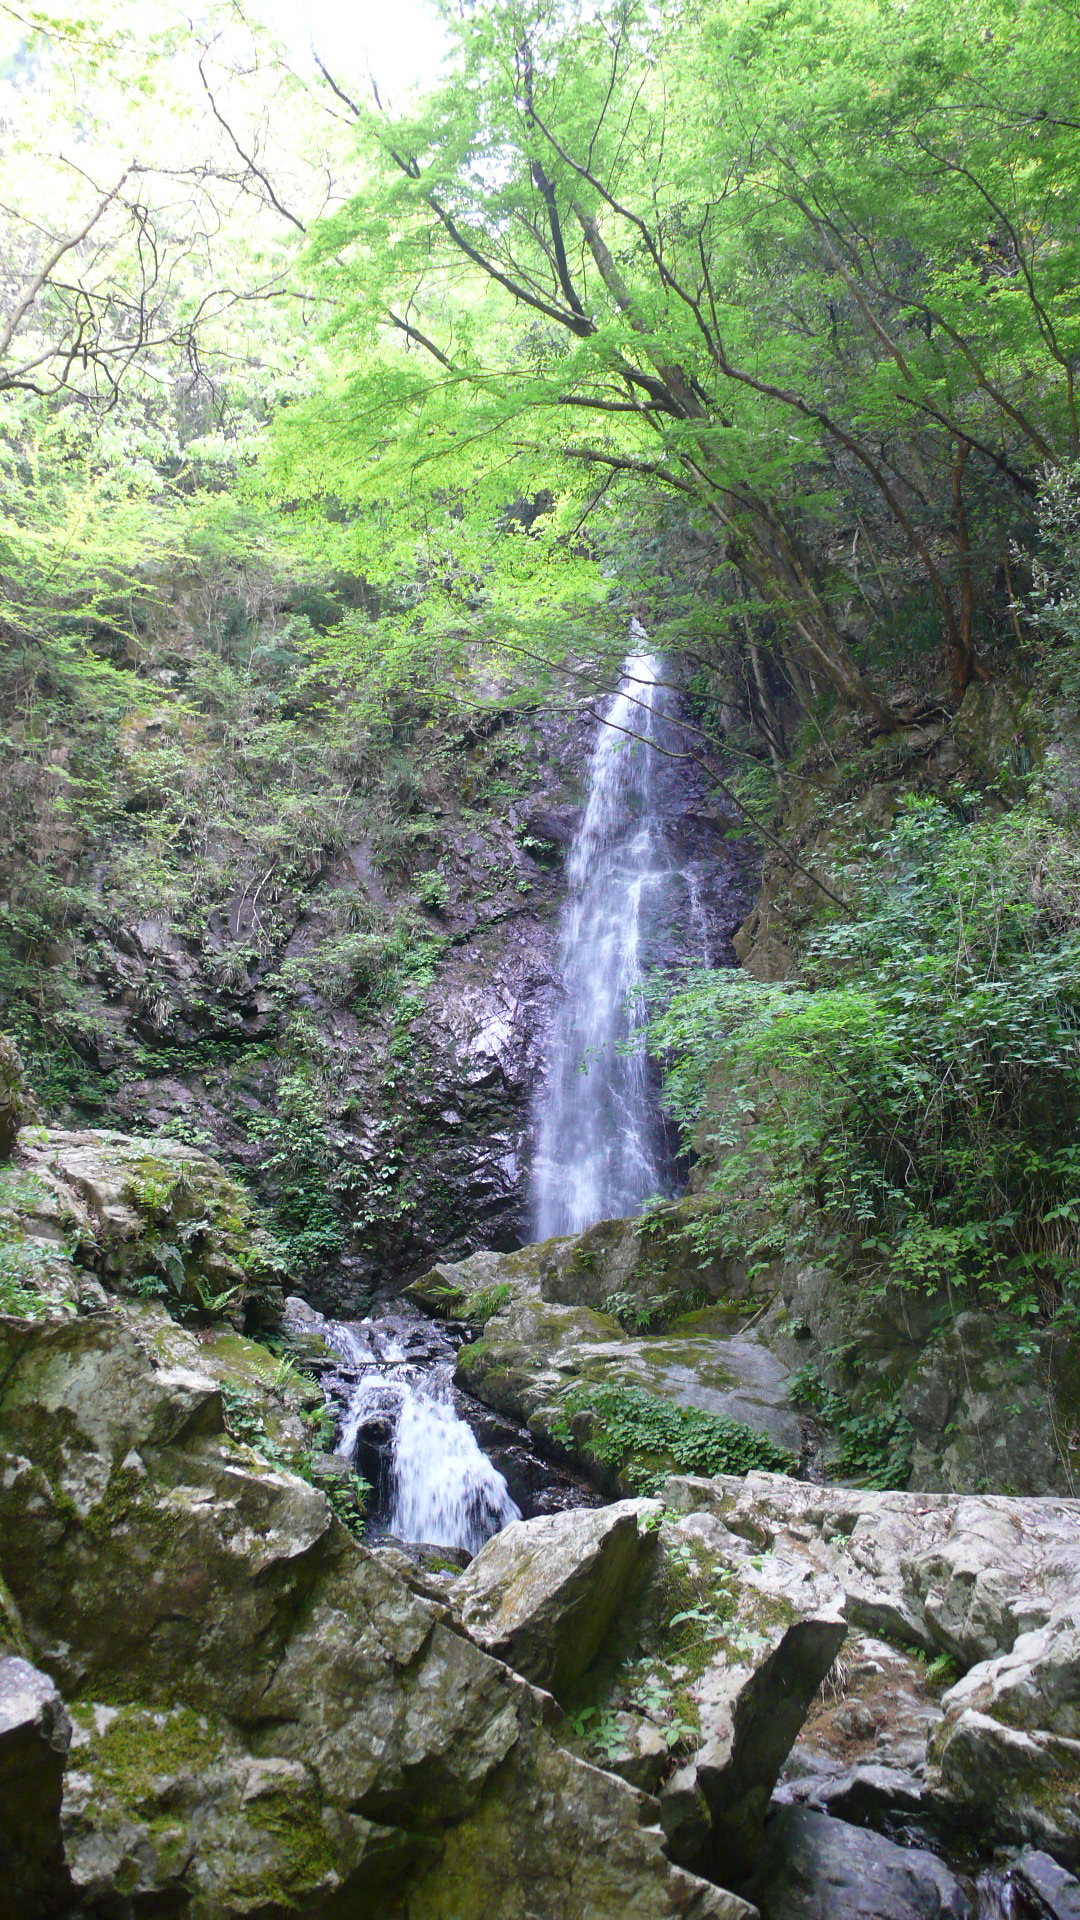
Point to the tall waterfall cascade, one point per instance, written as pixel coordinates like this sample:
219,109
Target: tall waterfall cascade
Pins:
601,1148
442,1489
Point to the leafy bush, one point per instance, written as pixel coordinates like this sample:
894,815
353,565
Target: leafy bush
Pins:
633,1429
919,1088
875,1442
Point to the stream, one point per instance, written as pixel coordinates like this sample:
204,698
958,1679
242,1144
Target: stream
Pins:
400,1428
443,1470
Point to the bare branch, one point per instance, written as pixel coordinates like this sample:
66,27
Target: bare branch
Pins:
50,264
249,159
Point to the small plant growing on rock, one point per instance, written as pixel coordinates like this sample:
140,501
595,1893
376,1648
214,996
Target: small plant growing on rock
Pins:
433,892
634,1431
485,1303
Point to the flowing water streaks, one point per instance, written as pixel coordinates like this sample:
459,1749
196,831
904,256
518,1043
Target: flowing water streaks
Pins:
395,1387
634,900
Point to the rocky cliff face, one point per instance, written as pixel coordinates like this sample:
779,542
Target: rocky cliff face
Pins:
331,965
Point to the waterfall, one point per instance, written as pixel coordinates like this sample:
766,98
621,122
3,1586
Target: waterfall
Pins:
601,1148
439,1487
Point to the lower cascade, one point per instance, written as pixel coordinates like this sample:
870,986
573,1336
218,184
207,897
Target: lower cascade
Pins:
400,1428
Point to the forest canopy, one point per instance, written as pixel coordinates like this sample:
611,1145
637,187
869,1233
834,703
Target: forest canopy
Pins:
797,281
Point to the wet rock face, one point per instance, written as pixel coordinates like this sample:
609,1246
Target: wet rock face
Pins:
404,980
812,1867
398,1420
1049,1889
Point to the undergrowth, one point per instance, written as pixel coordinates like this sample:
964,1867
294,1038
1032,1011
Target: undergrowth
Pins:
875,1443
637,1433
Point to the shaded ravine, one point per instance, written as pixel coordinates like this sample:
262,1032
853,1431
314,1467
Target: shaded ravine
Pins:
601,1145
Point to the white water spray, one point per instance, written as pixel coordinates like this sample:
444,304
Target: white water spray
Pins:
600,1146
443,1490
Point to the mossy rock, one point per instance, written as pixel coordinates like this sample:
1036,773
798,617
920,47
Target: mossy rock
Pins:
175,1800
11,1094
151,1218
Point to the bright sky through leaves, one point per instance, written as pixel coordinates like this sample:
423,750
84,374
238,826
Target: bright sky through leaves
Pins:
399,42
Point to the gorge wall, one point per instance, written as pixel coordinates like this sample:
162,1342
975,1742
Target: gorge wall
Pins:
337,973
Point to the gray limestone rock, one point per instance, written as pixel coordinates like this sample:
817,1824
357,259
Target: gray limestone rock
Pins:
868,1796
991,1581
685,1662
542,1594
1036,1684
1010,1785
963,1575
123,1208
778,1628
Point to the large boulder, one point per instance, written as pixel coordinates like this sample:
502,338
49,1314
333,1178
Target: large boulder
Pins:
1036,1684
812,1867
542,1594
952,1574
1010,1785
763,1633
1041,1877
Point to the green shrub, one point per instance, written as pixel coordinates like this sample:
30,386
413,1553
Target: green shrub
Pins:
919,1086
875,1442
632,1430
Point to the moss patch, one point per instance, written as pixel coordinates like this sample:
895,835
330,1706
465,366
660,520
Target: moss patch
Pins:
139,1751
